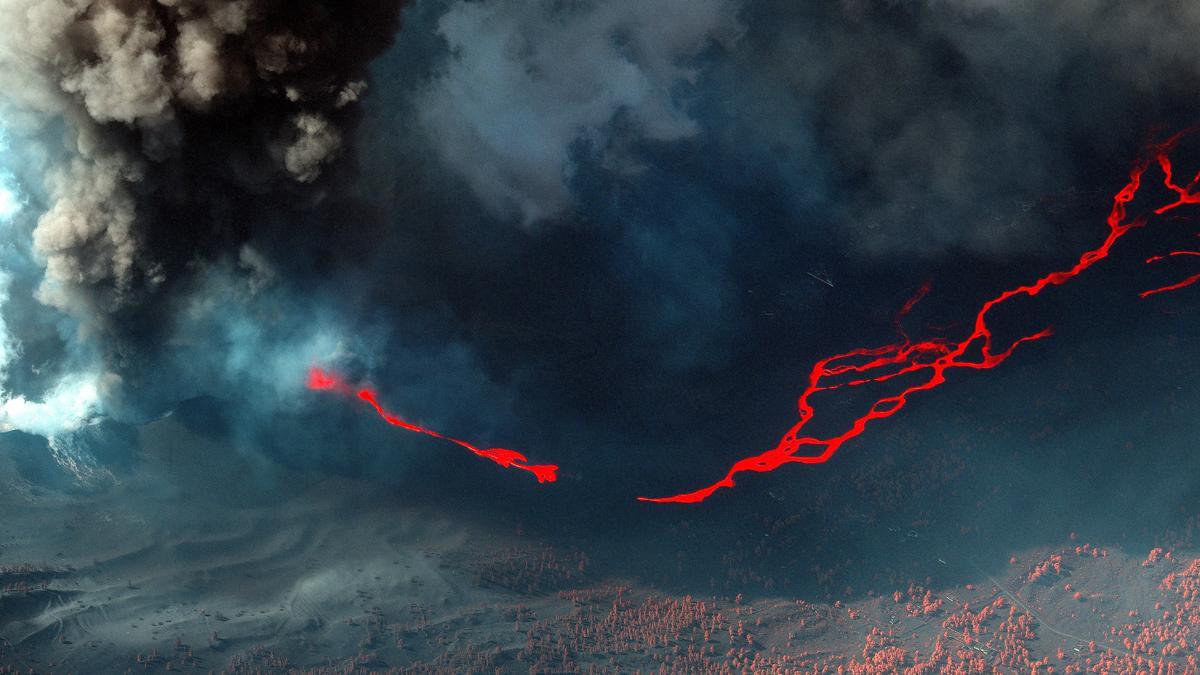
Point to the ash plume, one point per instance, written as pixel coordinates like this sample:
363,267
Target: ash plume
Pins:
553,216
164,131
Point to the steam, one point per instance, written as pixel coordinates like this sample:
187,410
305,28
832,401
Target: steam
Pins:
73,402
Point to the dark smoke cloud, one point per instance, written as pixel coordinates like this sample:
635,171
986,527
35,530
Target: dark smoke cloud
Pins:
581,229
182,131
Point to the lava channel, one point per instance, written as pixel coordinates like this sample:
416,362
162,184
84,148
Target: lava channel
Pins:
324,381
930,360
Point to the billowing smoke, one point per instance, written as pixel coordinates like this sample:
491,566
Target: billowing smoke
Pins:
673,174
919,128
155,135
559,226
564,72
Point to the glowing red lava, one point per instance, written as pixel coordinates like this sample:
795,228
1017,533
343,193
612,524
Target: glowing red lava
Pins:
1175,286
933,358
322,380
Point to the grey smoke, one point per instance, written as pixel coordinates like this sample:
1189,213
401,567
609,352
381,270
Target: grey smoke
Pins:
525,81
197,210
931,126
163,118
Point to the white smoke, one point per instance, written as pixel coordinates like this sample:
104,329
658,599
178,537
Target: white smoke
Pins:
10,204
525,81
74,399
70,403
73,402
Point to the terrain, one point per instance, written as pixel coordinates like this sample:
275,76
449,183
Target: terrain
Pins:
198,557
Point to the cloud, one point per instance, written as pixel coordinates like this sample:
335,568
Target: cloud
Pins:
194,217
525,82
71,403
939,127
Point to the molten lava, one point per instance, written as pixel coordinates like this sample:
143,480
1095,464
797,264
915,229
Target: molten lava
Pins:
1177,285
930,360
321,380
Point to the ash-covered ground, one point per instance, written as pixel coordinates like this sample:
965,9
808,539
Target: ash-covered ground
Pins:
1013,534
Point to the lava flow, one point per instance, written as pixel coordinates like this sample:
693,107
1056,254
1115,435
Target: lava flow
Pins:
1177,285
321,380
931,359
